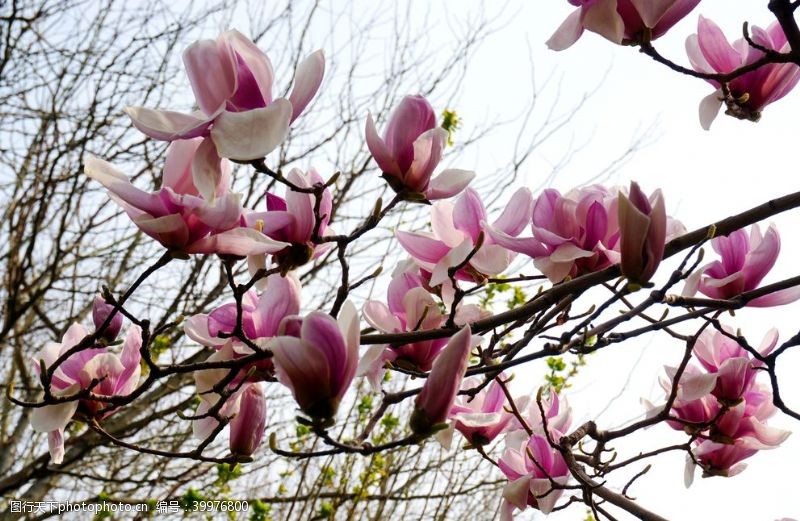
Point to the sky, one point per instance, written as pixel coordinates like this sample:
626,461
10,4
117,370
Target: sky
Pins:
705,176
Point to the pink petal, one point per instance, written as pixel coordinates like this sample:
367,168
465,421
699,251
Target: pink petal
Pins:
442,224
212,73
256,61
567,33
206,170
422,247
651,11
307,79
178,166
602,18
301,206
761,258
448,183
118,184
238,241
302,367
380,317
53,417
55,444
380,152
516,492
517,214
322,331
252,134
491,259
428,149
468,213
166,125
223,214
526,245
721,56
778,298
280,299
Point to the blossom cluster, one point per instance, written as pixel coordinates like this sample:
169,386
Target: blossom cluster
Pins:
722,405
264,338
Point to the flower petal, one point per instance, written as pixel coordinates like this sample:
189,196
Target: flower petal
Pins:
448,183
307,79
238,241
167,125
252,134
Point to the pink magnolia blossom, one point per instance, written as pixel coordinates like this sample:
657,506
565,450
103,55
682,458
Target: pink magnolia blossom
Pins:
100,312
410,308
643,232
531,466
710,52
194,211
620,21
578,233
232,83
410,150
261,317
573,234
112,375
557,412
245,408
744,262
725,408
247,427
439,392
316,358
457,229
480,419
738,434
291,220
731,363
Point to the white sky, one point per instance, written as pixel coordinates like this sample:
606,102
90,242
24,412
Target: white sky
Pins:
705,176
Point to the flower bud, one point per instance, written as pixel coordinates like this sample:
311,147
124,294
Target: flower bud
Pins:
247,427
439,392
643,232
100,312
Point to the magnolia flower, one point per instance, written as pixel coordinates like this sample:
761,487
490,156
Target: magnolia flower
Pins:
738,434
232,83
291,221
410,308
247,427
725,408
438,394
620,21
261,315
531,466
458,232
722,356
316,358
573,234
643,231
480,419
410,150
744,262
709,52
245,408
558,413
100,312
105,373
194,210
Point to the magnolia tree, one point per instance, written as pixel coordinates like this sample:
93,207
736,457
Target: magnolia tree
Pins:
434,349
